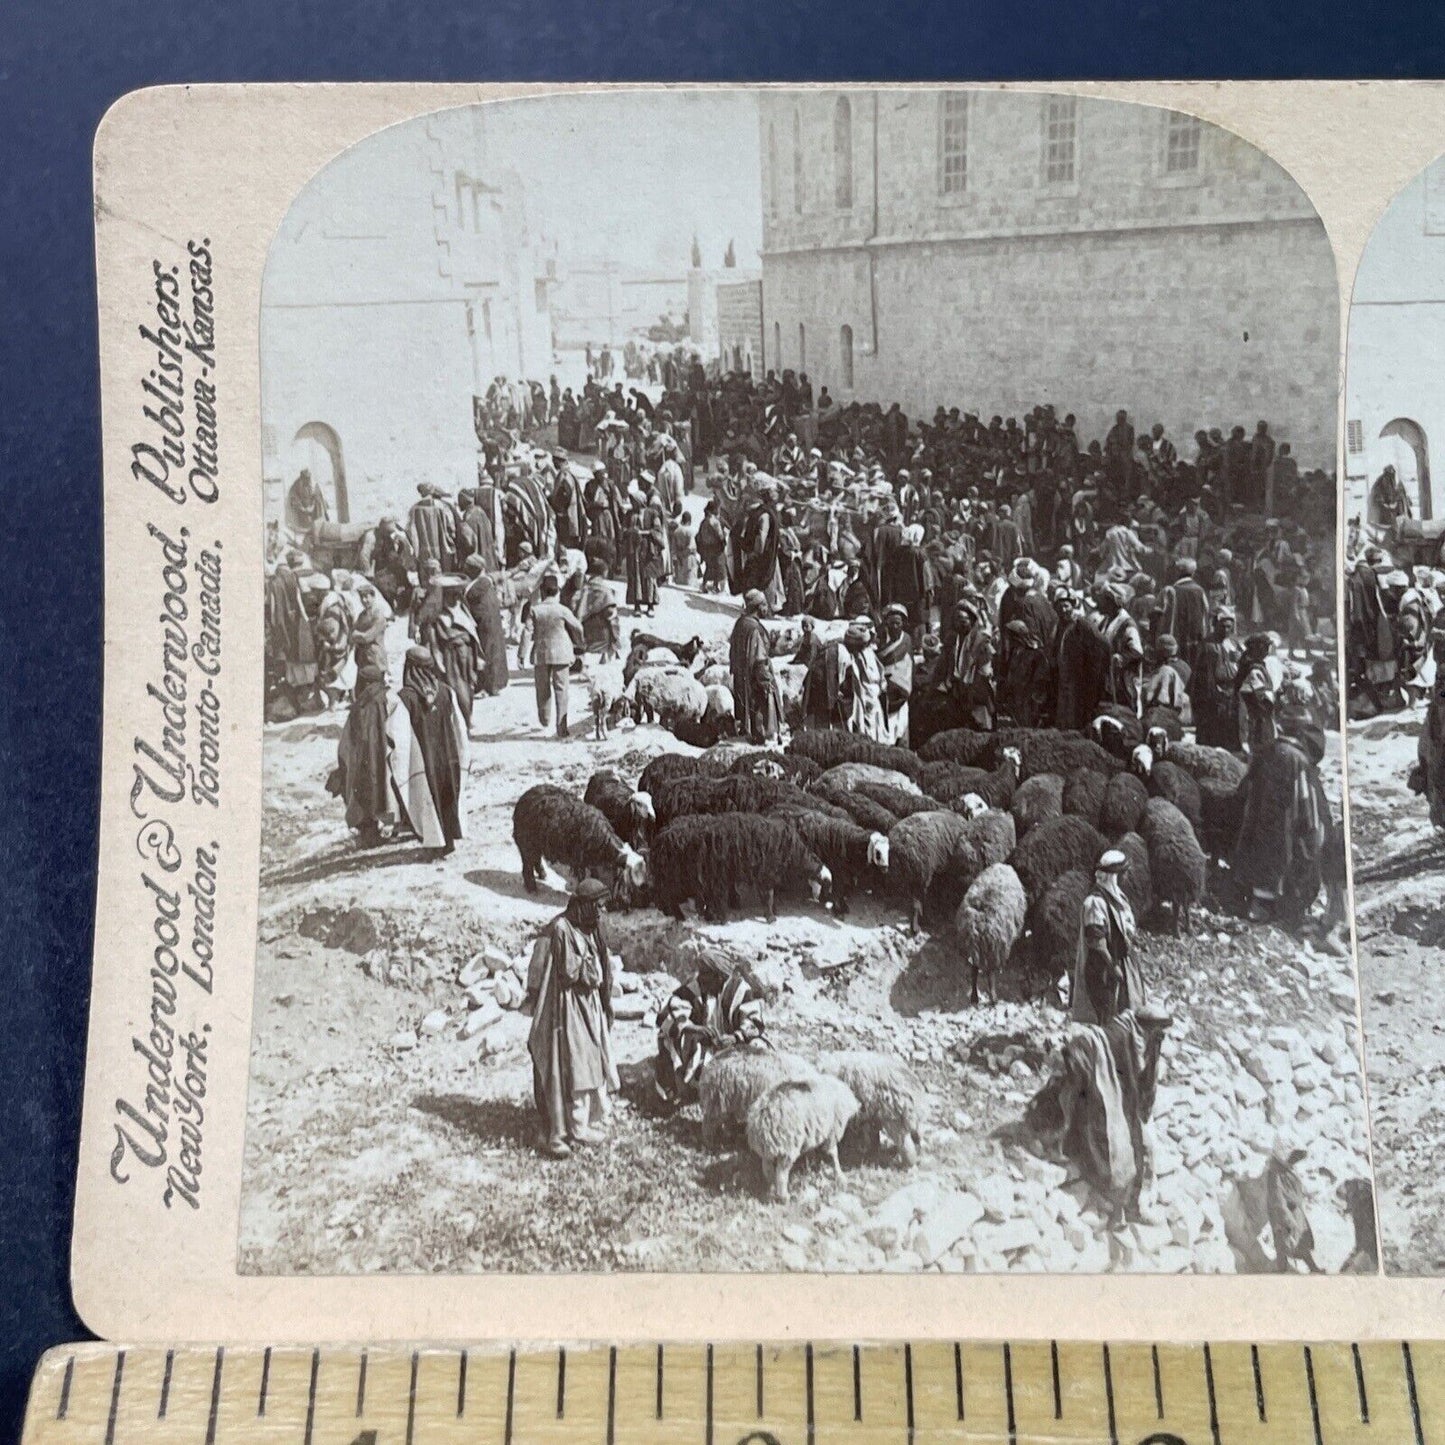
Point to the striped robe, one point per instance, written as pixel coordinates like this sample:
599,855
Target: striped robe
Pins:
683,1046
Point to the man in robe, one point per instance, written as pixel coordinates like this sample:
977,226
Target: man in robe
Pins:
757,702
1284,823
481,601
567,507
1003,538
569,986
290,642
1119,452
864,683
717,1011
755,549
445,627
1025,689
368,632
428,765
965,666
597,611
430,529
1126,647
1106,977
1083,666
895,655
1211,686
885,540
1257,686
1186,610
306,505
1370,641
1023,602
363,774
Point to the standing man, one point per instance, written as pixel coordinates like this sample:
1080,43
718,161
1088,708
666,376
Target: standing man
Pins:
557,635
1119,452
756,699
1106,978
1126,648
569,984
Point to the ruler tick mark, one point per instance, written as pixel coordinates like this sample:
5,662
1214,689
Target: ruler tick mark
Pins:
361,1387
63,1409
265,1382
1213,1403
907,1388
1008,1390
708,1402
612,1395
1360,1385
216,1398
857,1383
1314,1398
165,1401
1258,1383
1109,1396
659,1382
1414,1396
758,1366
958,1377
1158,1383
115,1399
411,1398
310,1394
808,1390
1054,1366
511,1394
462,1386
561,1383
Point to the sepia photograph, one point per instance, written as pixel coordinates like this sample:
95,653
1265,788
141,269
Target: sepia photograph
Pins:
1395,672
802,723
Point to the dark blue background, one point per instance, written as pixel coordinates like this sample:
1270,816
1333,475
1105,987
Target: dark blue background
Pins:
61,65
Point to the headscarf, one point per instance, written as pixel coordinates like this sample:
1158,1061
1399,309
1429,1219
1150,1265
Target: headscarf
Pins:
419,672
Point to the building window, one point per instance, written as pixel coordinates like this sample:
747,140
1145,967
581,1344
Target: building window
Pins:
773,170
777,346
802,347
843,154
1061,135
845,351
953,144
487,319
1181,144
1354,437
797,163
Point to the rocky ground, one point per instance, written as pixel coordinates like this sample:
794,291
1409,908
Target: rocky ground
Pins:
1399,863
390,1119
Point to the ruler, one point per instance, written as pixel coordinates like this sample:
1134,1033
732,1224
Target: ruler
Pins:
1019,1392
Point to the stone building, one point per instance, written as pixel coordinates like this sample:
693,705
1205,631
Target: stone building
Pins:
994,250
1395,362
402,281
740,322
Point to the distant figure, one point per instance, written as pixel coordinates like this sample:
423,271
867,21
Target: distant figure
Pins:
437,756
758,703
557,636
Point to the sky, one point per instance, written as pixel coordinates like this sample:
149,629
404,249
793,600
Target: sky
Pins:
632,177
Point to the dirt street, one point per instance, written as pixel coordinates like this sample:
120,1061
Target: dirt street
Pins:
382,1137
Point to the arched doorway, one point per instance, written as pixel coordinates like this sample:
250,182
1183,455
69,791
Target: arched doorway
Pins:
318,449
1407,451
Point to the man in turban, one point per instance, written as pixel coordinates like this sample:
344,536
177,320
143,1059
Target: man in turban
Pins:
757,702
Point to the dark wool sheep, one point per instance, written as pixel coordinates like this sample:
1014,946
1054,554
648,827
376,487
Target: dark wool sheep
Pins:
858,806
1061,753
1164,720
711,857
626,808
1055,923
551,825
1036,801
703,794
830,746
664,768
1168,780
801,800
989,922
920,849
901,802
1201,762
1137,880
1177,864
1123,806
1221,811
1117,730
701,732
856,857
987,839
722,757
967,746
1084,794
1052,849
995,787
947,781
786,767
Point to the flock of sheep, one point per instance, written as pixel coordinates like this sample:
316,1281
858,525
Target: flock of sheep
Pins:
997,832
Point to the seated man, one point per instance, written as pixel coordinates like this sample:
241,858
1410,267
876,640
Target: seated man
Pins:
716,1011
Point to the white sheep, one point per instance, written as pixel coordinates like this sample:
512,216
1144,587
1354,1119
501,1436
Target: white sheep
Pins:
890,1098
795,1117
716,674
605,692
667,694
719,703
733,1081
989,922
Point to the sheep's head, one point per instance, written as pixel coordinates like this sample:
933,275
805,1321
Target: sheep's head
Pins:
1015,759
766,768
878,851
633,866
619,709
641,804
971,805
821,886
1158,741
1142,760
